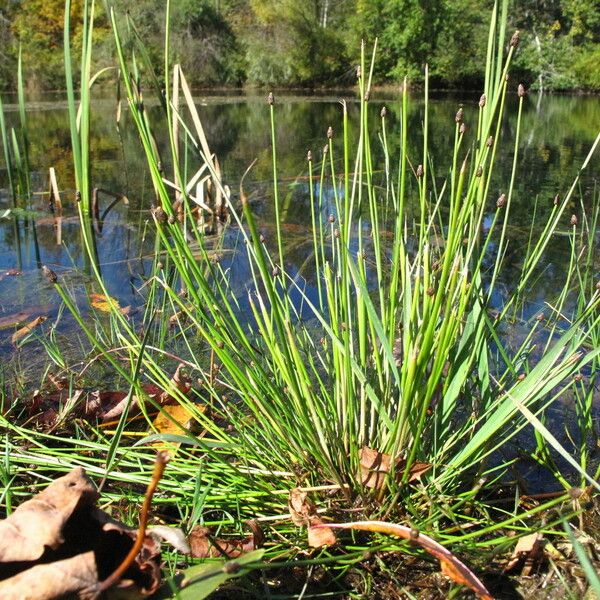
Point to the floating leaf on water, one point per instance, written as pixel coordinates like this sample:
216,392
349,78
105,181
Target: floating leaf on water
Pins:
17,335
104,303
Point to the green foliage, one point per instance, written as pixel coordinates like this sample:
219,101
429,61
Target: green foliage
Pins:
204,43
408,31
457,56
7,52
587,67
318,42
293,43
202,40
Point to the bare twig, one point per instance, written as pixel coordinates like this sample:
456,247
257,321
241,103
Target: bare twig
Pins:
162,458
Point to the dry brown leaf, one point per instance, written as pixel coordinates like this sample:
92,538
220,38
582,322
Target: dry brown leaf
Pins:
203,545
53,580
107,406
38,523
321,535
375,467
59,543
451,566
527,552
301,507
17,335
418,469
163,398
304,513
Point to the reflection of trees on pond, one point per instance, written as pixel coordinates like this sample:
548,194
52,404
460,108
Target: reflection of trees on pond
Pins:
556,134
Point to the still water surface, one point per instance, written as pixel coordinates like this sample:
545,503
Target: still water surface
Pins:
557,133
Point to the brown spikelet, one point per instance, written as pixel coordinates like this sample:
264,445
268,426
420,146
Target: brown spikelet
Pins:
49,274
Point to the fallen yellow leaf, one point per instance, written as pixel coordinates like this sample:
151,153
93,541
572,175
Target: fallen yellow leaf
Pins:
107,304
171,420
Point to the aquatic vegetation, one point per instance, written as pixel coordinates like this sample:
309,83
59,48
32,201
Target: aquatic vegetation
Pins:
376,377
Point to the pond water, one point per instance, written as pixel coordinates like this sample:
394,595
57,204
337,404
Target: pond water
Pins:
557,133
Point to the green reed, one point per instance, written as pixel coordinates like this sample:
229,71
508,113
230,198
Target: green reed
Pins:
382,373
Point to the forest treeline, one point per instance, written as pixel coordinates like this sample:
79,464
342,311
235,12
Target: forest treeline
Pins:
315,43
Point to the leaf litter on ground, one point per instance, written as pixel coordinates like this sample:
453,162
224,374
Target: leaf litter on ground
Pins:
304,513
375,466
59,543
47,409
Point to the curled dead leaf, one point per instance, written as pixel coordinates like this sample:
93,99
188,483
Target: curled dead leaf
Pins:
204,545
304,513
59,543
38,523
375,466
319,534
301,507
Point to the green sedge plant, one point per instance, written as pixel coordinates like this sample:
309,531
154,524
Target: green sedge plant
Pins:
399,352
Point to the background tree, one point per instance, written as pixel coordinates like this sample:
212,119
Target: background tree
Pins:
317,42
